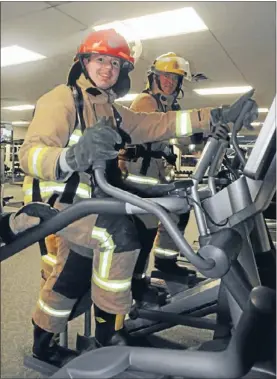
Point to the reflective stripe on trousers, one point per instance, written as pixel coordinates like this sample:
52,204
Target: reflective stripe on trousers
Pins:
101,277
111,285
49,259
51,311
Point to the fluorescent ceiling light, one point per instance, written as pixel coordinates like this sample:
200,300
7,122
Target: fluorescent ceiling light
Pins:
24,107
128,97
20,122
12,55
170,23
263,110
222,90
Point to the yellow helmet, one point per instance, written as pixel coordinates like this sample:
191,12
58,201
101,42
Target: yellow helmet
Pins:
171,63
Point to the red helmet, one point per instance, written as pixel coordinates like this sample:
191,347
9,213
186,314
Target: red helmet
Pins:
107,42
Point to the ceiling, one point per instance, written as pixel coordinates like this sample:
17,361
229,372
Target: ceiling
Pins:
238,49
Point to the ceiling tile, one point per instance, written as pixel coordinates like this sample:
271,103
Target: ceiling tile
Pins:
11,10
38,33
239,48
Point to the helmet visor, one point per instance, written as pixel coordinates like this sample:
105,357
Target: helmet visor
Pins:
128,33
174,65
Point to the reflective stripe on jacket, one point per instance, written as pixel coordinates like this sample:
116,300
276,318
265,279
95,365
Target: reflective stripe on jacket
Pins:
51,129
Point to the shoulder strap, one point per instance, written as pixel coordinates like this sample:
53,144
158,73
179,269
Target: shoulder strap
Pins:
159,103
70,189
117,117
146,160
176,106
79,105
199,115
36,196
125,136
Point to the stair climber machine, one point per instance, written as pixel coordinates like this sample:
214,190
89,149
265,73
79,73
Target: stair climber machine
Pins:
227,283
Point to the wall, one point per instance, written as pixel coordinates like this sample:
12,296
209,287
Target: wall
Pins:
19,132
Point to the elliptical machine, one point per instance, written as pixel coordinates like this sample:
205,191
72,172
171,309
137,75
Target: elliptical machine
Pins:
224,255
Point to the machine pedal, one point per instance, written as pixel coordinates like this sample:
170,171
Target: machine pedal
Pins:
37,365
84,343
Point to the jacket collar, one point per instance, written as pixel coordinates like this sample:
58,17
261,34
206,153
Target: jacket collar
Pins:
76,75
99,96
165,100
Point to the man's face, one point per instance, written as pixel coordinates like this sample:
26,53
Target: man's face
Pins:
103,70
168,83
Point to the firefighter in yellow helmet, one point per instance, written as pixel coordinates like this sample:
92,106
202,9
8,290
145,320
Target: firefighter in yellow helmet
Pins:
146,163
166,76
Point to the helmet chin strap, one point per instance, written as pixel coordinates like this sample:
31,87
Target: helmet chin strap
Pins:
158,82
85,72
168,99
110,92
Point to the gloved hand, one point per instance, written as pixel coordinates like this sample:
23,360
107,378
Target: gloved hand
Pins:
123,167
197,138
220,131
27,217
230,113
167,151
171,159
97,143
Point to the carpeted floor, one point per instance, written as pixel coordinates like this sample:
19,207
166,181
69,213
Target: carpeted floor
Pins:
20,278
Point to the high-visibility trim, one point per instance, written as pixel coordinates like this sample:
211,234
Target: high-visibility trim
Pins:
84,190
108,246
49,259
183,124
34,151
119,322
51,311
100,320
48,188
26,189
124,174
139,276
141,179
164,252
111,285
74,138
35,159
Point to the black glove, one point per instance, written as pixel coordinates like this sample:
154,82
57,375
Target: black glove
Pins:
220,131
97,143
197,138
230,113
27,217
171,159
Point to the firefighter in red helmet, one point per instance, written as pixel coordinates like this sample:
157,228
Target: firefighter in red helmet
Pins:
71,129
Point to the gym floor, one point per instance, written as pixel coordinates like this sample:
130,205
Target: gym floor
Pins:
20,278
